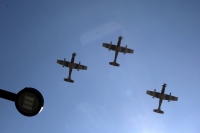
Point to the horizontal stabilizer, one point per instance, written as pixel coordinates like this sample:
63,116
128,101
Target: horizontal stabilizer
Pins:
114,63
158,111
68,80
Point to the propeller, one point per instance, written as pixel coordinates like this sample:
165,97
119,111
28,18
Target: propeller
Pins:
121,37
74,54
164,84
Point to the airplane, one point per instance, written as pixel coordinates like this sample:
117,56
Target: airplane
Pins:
162,97
71,66
117,48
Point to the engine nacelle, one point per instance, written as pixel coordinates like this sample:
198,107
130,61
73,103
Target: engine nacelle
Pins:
79,64
154,93
169,97
125,49
64,62
110,45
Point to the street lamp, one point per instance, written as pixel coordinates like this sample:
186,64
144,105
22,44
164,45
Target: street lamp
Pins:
29,101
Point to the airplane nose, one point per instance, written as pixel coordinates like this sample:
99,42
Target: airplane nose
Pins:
120,37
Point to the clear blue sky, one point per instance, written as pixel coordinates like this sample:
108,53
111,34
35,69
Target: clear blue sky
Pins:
165,36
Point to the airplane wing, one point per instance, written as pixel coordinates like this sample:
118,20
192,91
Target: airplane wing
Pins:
109,46
81,67
61,63
125,50
171,98
151,93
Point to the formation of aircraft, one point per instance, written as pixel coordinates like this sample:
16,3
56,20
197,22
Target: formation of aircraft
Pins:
71,66
162,96
117,48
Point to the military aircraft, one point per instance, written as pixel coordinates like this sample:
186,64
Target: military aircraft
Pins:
162,97
117,48
71,66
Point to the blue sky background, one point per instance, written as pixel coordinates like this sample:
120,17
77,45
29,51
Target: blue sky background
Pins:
103,99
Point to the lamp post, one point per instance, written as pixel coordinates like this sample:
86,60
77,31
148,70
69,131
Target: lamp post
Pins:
29,101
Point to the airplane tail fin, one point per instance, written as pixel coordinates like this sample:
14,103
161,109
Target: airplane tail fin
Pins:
68,80
114,63
158,111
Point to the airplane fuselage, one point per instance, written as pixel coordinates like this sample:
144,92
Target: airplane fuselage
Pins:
72,61
117,48
119,41
71,65
161,96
